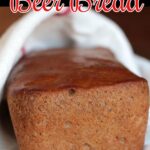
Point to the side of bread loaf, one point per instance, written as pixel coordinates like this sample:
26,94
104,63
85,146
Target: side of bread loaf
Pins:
85,100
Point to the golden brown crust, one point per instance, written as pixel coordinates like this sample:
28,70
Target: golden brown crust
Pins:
91,104
68,68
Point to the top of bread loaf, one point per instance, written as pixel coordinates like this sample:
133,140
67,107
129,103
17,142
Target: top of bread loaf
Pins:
68,68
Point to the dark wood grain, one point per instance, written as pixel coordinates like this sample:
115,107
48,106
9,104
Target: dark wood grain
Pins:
135,25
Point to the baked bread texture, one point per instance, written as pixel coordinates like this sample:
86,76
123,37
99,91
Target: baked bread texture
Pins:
83,99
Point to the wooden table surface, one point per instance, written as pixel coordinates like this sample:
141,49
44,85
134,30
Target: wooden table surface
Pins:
135,25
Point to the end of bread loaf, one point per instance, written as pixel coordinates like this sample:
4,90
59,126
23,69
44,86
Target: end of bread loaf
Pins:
111,117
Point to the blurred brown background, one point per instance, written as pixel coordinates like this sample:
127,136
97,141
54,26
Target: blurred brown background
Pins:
135,25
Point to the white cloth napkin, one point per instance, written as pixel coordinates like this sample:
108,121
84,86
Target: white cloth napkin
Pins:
44,30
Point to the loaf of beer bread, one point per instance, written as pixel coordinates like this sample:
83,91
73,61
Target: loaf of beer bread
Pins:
77,99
